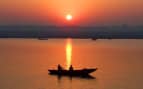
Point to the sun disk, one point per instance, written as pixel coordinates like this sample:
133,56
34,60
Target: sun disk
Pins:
69,17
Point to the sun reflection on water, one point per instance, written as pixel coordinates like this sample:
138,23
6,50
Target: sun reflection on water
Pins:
68,53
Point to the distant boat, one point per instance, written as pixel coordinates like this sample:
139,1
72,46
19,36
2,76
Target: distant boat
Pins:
82,72
42,38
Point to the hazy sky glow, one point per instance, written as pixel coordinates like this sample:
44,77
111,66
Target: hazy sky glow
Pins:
53,12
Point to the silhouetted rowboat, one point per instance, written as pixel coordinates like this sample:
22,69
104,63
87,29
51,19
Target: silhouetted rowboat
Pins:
82,72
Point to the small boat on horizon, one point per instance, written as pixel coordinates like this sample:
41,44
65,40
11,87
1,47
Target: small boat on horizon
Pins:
71,72
42,38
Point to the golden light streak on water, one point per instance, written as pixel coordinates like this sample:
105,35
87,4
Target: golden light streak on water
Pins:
68,53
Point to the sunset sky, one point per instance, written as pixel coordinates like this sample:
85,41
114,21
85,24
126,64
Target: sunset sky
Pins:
84,12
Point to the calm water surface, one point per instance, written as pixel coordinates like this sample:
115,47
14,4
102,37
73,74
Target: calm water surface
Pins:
24,63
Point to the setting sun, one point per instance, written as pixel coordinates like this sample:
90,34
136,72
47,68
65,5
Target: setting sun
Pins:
69,17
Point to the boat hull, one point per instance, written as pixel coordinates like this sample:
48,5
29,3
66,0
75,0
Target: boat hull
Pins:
83,72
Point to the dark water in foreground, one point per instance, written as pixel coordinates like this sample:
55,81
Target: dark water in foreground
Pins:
24,64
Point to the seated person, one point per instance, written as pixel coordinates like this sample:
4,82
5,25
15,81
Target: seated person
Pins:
59,67
71,68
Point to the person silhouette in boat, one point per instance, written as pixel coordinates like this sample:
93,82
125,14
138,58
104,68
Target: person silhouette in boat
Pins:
71,68
59,67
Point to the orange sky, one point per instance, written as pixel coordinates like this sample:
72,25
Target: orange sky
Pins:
89,12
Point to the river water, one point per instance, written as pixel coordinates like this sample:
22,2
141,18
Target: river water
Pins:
24,63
